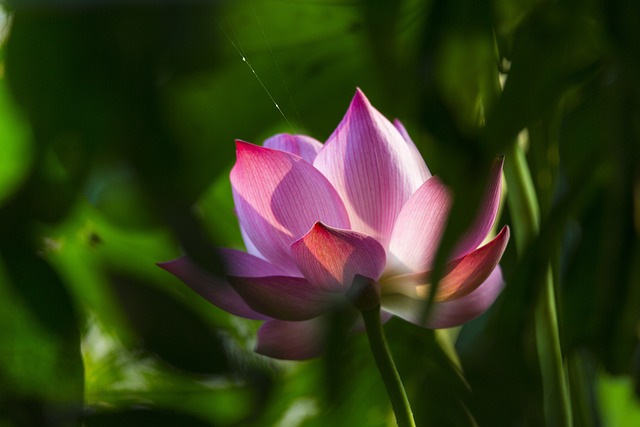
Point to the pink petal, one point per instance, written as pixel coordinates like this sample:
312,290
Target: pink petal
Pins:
403,131
292,340
238,263
466,274
248,244
461,276
450,313
456,312
216,290
283,297
419,227
300,145
330,258
486,215
373,168
278,197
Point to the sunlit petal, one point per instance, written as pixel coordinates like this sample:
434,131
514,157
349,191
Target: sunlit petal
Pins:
372,167
278,197
330,258
419,228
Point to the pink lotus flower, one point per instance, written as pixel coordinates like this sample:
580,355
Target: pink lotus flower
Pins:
314,216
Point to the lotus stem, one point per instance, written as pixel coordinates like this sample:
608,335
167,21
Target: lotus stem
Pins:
387,368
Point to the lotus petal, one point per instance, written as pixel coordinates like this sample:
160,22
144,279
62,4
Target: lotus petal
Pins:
300,145
458,311
461,277
278,197
283,297
291,340
330,258
449,313
372,167
419,228
217,290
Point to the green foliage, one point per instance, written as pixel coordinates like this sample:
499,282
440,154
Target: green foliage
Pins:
117,122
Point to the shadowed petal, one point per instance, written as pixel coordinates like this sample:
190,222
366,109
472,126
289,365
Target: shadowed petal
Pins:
456,312
238,263
216,290
449,313
466,274
278,197
248,244
282,297
372,167
419,227
300,145
486,215
403,131
330,258
292,340
461,276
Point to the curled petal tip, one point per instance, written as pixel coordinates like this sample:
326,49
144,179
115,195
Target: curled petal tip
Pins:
507,233
241,143
242,146
319,225
360,100
165,265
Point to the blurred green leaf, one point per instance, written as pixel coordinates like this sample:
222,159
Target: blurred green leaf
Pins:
15,149
558,47
168,329
41,375
619,406
32,358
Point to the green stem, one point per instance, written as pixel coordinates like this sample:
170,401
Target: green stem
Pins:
387,368
521,195
524,205
554,379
